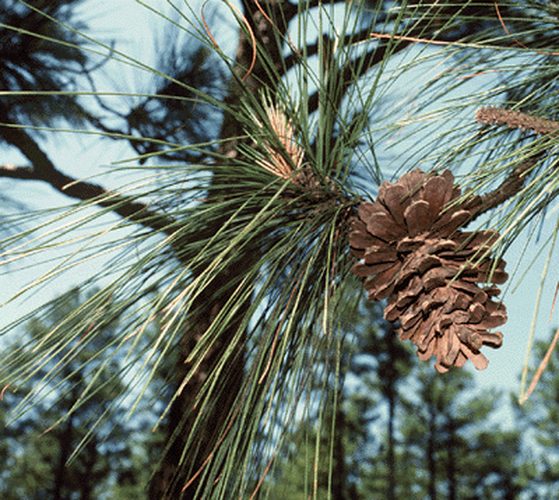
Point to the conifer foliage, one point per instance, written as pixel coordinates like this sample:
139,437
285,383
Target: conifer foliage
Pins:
233,230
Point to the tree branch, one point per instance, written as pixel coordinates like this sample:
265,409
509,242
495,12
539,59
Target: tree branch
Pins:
312,49
510,186
516,120
514,183
355,68
12,172
44,170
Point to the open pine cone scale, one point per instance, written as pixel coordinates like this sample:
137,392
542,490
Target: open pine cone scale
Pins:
412,252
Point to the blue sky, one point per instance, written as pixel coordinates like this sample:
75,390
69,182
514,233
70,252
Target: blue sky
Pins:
133,27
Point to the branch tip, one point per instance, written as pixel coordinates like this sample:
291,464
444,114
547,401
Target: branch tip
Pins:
490,115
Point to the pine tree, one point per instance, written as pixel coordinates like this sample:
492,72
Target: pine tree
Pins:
46,455
538,418
457,448
383,363
244,247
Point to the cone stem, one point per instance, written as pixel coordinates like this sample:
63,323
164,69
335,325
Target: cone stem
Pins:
510,186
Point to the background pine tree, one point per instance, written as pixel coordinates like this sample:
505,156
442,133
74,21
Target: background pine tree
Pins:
60,449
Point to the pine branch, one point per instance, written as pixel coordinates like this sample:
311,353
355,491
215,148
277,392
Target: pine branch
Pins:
141,145
312,48
510,186
10,171
516,120
514,183
43,169
356,68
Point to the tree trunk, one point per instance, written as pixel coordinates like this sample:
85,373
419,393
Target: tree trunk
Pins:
65,448
90,459
176,470
391,456
391,395
431,459
339,486
451,459
171,478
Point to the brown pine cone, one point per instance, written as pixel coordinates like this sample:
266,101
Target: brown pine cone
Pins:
412,251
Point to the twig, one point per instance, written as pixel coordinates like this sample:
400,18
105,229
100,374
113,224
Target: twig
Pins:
516,41
510,186
250,31
514,183
516,120
539,372
413,39
456,43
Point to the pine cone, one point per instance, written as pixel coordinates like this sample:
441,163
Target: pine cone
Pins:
412,251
